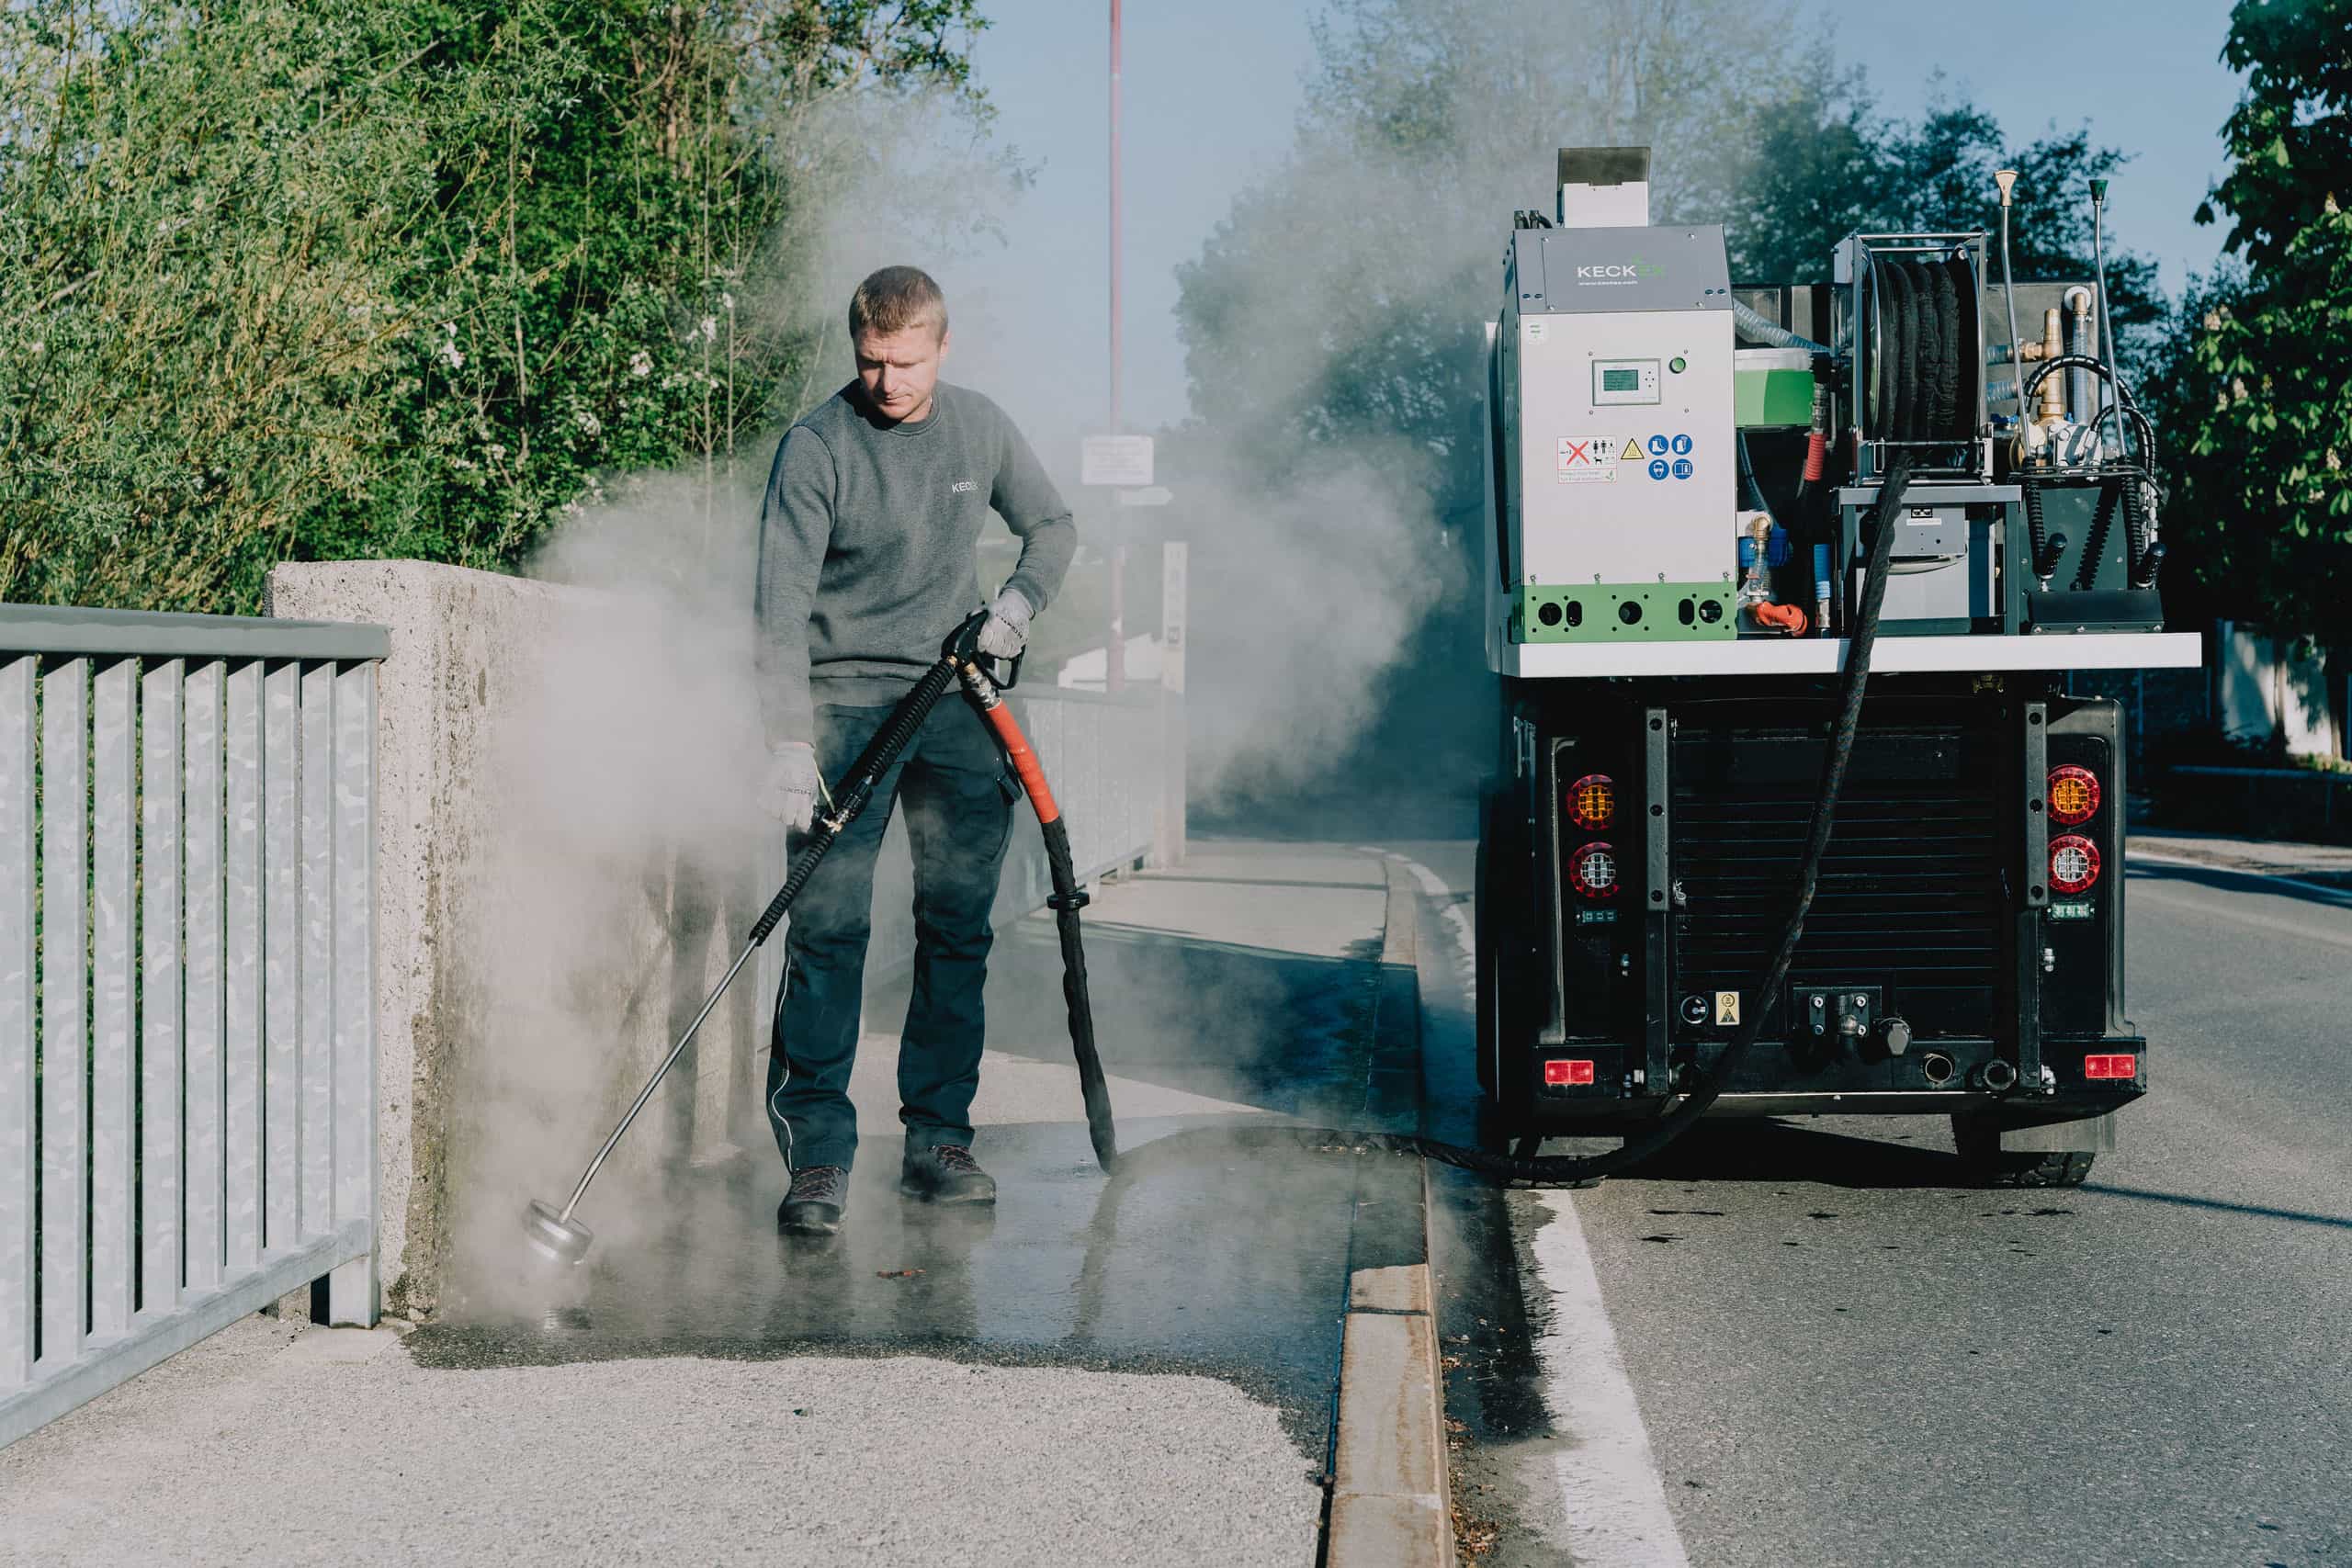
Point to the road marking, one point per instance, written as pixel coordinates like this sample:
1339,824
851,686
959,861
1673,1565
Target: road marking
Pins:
1617,1515
1612,1498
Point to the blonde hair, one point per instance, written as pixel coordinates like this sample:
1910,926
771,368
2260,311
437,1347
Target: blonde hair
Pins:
895,299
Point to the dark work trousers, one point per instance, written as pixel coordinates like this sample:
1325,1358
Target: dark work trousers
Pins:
958,797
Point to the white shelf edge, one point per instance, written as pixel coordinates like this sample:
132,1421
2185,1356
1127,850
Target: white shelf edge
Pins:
1892,656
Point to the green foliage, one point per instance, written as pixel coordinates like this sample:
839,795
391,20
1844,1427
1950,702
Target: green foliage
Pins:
2259,395
372,277
1823,165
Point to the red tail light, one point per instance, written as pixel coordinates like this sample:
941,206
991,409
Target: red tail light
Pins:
1579,1070
2125,1067
1592,871
2074,864
2074,794
1592,801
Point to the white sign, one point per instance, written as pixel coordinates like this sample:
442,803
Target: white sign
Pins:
1153,495
1124,462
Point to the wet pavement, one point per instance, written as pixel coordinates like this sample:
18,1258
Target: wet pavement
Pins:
1131,1371
1202,1256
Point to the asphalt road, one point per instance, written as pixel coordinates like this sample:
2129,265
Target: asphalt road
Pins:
1831,1352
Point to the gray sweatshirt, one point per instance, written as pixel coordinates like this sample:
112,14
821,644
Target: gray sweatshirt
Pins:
865,548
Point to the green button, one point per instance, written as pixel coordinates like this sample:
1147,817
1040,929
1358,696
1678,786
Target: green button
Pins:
1677,365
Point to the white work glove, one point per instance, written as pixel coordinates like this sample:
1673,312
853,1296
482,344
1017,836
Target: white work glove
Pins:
1006,632
789,792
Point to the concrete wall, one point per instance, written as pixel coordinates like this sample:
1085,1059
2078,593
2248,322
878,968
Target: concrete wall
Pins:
2264,686
541,946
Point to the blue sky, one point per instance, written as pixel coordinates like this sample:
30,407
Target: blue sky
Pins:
1212,91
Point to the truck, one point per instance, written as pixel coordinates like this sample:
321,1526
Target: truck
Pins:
1685,481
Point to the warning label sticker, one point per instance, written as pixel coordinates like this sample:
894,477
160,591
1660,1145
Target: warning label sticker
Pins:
1726,1008
1589,459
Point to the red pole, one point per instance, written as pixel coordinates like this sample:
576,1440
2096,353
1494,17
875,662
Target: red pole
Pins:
1115,669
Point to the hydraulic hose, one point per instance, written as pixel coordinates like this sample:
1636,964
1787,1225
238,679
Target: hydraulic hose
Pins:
1067,899
2037,531
1764,329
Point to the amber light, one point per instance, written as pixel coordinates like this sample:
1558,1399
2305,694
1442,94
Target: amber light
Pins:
1592,801
2074,794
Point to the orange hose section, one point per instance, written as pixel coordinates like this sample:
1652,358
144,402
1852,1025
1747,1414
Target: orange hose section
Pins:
1785,615
1024,762
1817,456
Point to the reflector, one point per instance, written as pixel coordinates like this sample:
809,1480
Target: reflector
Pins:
2125,1067
1572,1070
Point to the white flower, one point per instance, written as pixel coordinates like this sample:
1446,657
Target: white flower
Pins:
589,423
709,328
728,300
497,451
37,346
640,363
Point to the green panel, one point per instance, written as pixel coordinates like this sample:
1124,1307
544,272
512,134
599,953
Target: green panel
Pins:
1771,397
1596,613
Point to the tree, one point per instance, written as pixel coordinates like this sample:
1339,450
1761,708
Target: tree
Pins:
368,278
1823,165
2260,396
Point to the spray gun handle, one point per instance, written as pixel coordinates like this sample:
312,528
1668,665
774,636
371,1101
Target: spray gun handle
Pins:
963,645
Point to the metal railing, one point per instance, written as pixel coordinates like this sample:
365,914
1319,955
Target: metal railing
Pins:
187,1032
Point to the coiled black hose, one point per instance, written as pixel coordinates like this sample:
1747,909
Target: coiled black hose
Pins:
2037,532
2102,519
2145,556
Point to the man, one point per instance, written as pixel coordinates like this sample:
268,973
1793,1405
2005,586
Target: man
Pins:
874,503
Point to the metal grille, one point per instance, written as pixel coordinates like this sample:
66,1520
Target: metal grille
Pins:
1910,894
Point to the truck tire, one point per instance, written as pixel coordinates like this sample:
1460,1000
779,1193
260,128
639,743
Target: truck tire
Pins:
1978,1143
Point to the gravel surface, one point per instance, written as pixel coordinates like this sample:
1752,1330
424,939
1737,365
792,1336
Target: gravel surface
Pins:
267,1443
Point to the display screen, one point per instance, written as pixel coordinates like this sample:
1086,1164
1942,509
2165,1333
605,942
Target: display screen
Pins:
1621,381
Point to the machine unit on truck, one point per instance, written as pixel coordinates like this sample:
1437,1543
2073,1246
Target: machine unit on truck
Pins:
1685,489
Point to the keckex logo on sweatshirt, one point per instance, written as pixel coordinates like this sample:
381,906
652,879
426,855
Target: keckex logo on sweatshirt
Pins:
960,486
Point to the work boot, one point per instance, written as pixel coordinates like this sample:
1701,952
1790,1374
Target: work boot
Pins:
814,1205
945,1173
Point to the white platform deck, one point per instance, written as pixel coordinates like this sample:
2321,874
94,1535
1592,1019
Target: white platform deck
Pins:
1892,655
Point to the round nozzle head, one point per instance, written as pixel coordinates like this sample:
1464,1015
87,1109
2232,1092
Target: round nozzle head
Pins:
553,1237
2006,179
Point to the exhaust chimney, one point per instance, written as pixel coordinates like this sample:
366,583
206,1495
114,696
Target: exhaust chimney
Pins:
1604,187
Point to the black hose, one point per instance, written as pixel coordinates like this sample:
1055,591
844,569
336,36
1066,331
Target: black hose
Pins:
1942,420
2102,519
1558,1170
1067,899
1900,317
2136,532
2037,535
